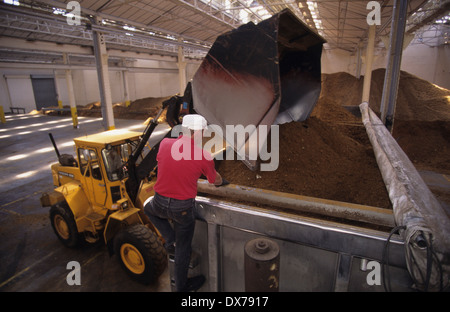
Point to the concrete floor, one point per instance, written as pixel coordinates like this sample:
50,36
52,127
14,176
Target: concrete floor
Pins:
32,258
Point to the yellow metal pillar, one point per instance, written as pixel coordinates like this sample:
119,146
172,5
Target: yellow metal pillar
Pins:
5,98
2,115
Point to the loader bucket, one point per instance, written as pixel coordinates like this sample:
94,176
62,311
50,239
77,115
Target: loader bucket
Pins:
261,74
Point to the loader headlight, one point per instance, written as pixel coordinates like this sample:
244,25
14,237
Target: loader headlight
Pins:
120,204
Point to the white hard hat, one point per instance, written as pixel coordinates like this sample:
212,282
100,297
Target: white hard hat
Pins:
194,122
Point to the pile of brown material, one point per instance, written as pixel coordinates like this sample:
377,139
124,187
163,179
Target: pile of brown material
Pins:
140,109
329,155
338,90
146,108
317,159
427,143
422,118
417,99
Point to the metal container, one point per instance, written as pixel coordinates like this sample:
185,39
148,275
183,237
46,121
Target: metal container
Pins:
262,265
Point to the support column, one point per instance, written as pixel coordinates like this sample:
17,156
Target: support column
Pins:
58,92
101,60
181,69
369,61
5,99
71,94
358,61
126,88
392,75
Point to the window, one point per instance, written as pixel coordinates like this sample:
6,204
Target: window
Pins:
88,156
115,158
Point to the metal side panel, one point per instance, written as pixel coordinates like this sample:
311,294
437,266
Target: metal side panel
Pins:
315,255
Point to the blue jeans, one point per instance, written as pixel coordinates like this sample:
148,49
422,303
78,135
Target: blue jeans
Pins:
181,212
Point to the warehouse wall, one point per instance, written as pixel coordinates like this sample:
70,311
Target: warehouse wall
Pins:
21,90
436,71
141,85
337,60
17,89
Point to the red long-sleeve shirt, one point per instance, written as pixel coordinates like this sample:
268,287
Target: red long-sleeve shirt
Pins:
180,164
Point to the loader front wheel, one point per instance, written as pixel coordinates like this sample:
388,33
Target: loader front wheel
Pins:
63,223
140,253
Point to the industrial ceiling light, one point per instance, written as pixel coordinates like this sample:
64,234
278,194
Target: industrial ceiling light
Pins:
443,20
12,2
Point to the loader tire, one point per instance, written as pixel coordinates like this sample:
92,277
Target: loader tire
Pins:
63,223
140,253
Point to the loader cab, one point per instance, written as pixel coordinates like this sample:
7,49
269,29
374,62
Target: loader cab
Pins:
102,158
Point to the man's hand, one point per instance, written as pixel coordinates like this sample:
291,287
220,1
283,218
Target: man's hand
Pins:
224,182
220,181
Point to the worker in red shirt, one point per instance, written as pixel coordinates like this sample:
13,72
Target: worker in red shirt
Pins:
180,164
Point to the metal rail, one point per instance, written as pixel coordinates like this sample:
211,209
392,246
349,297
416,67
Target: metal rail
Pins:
330,208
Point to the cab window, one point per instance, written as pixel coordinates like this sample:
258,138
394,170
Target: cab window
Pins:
86,157
115,158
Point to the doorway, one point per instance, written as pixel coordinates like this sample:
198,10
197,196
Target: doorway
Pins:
44,91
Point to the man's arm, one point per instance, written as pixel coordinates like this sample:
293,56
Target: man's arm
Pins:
213,176
218,180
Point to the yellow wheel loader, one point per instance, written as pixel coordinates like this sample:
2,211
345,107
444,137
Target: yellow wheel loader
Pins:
100,196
